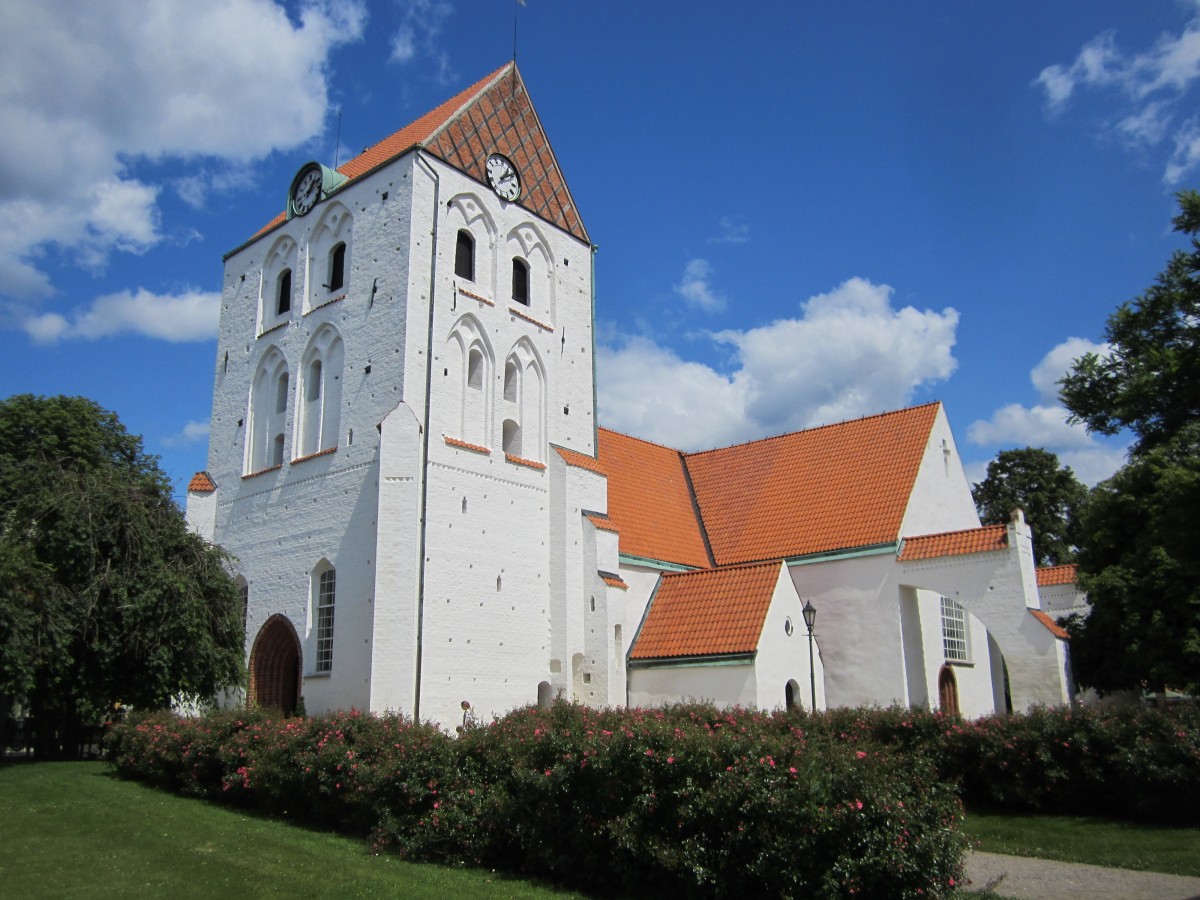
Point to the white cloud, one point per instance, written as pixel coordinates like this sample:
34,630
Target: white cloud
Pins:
696,289
89,88
193,433
1055,364
190,316
850,354
1151,85
419,31
733,231
1045,424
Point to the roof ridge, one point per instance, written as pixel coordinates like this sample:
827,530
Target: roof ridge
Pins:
716,570
937,534
641,440
816,428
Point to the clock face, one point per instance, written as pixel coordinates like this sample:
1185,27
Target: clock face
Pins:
306,190
502,176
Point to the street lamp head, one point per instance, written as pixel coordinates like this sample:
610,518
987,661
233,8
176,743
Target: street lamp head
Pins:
810,614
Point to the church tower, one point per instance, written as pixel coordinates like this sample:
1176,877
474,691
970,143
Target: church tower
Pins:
400,354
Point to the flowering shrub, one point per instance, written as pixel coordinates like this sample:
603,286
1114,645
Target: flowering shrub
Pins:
1125,763
688,800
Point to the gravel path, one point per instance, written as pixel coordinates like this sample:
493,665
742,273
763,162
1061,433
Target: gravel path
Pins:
1042,879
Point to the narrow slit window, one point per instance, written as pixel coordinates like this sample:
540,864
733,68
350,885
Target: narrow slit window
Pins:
337,267
520,282
326,595
464,256
475,370
283,294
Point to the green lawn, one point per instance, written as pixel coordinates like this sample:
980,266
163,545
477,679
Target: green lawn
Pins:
72,830
1101,842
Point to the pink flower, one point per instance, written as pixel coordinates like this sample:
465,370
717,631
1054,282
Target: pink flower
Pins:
861,755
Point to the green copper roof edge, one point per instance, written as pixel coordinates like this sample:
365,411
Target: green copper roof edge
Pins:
853,553
631,560
728,659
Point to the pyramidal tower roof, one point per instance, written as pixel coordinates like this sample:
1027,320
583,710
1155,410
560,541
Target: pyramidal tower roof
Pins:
494,115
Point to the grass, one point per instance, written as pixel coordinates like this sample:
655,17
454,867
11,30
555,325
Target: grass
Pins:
1100,842
73,830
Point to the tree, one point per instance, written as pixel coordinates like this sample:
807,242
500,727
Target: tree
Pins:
1150,380
1140,544
105,595
1141,570
1051,496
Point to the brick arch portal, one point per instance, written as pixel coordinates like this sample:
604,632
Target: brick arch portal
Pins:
275,666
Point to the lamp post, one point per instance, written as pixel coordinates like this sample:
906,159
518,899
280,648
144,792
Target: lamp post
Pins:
810,618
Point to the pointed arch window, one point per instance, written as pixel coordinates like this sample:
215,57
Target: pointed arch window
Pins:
475,369
337,267
464,255
512,380
283,293
268,413
319,398
520,281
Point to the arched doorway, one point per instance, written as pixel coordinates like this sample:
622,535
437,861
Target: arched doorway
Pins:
790,699
275,666
948,691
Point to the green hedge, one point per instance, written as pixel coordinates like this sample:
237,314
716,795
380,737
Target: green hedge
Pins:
688,800
1132,763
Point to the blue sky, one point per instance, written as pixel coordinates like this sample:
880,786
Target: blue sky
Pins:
805,212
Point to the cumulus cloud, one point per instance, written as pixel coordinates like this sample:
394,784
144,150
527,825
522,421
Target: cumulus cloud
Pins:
1045,424
90,88
193,433
418,35
850,353
695,287
178,318
1150,86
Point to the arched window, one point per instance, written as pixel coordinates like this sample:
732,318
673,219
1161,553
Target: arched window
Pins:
512,438
337,267
319,413
520,281
268,413
464,256
475,369
283,293
325,596
512,380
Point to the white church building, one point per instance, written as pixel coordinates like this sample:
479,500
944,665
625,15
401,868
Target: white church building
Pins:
423,512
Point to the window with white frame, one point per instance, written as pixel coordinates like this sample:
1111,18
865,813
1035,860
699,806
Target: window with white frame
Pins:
955,639
326,595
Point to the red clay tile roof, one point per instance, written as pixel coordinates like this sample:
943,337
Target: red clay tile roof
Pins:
828,488
649,500
707,613
581,460
1055,629
602,522
614,580
955,543
1051,575
494,115
201,483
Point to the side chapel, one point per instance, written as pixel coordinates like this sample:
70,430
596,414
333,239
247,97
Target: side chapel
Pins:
406,466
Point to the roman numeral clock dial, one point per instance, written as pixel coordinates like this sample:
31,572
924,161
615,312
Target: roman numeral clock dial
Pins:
502,176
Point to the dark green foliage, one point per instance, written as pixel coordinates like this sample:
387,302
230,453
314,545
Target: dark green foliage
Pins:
1150,382
1052,498
1140,560
1141,569
105,596
689,801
